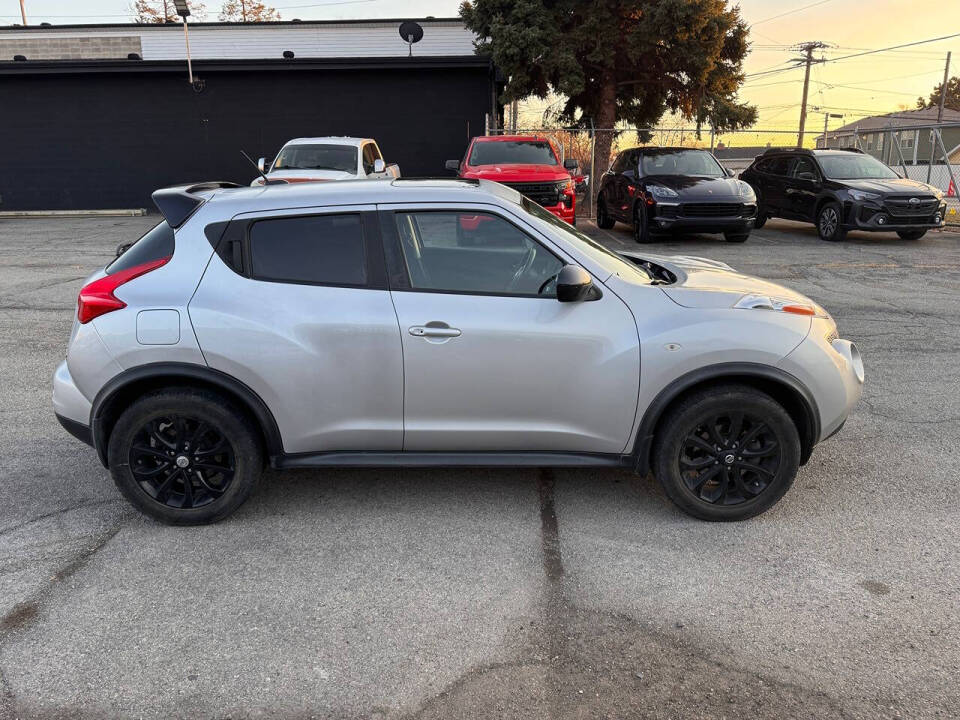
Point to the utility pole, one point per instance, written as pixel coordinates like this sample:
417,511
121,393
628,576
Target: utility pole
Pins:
23,12
807,48
943,95
826,119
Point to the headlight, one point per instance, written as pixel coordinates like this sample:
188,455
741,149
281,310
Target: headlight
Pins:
860,195
766,302
661,193
746,191
937,193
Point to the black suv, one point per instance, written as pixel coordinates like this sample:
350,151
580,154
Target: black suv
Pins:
841,190
660,190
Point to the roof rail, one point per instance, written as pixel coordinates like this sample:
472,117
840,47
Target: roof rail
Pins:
177,203
805,151
848,149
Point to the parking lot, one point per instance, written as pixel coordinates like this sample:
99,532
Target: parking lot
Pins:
499,593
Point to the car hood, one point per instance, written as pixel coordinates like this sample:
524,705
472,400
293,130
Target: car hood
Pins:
516,173
895,185
698,188
293,176
704,283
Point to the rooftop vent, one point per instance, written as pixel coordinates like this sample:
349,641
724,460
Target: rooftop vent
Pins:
288,55
20,58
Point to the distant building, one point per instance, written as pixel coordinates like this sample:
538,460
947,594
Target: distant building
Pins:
738,158
878,135
99,116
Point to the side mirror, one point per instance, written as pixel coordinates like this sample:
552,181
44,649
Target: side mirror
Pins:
574,284
729,172
570,164
262,165
379,165
123,247
811,177
453,165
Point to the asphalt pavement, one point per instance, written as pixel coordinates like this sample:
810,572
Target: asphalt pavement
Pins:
499,593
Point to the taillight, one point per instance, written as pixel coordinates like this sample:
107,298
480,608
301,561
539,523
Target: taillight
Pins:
97,298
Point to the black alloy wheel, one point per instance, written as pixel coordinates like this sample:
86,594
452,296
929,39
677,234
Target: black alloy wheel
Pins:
727,452
185,456
182,462
729,458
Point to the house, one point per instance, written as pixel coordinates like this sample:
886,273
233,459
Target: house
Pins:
879,135
99,116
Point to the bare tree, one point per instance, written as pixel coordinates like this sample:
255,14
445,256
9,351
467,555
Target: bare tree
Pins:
247,11
147,12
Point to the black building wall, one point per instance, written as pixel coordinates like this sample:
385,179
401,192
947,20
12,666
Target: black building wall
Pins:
106,135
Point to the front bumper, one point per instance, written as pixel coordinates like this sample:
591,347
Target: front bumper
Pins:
670,216
874,216
832,369
563,210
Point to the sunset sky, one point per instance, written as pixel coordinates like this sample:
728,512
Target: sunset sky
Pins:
877,83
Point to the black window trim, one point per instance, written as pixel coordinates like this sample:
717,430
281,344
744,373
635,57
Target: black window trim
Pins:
397,267
238,230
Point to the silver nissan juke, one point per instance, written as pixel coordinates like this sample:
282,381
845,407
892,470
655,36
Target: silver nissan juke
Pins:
435,323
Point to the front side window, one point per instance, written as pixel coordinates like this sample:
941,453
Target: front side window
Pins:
681,162
317,249
855,166
803,169
525,152
464,252
317,157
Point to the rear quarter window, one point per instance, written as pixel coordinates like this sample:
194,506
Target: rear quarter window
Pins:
155,244
316,249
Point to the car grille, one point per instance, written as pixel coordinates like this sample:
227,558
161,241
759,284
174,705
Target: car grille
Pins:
902,207
709,210
541,193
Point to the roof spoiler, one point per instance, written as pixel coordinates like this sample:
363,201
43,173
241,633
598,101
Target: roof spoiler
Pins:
177,203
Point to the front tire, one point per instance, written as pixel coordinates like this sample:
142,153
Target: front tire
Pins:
641,230
911,234
604,219
829,223
726,453
185,456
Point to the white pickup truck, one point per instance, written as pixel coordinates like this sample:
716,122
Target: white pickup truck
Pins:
318,159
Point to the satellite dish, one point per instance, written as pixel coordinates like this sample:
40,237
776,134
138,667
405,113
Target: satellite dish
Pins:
411,32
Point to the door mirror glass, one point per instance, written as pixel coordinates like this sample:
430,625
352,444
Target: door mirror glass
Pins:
453,165
379,165
570,164
262,165
574,284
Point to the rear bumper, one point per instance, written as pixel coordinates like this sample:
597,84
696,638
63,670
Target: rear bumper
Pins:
70,406
80,431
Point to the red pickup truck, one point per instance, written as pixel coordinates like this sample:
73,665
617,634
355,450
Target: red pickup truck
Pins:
529,164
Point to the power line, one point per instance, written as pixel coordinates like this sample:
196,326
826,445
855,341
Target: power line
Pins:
790,12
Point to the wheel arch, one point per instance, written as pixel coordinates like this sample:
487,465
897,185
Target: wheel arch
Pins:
124,388
783,387
823,200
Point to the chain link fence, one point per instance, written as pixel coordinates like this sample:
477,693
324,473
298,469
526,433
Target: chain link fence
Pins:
907,150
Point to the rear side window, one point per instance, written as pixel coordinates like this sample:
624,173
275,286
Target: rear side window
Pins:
157,243
317,249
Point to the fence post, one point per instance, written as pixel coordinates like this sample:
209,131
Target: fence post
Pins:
593,168
946,159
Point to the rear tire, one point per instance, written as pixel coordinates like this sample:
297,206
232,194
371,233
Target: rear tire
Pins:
736,237
604,220
726,453
760,220
829,223
911,234
185,456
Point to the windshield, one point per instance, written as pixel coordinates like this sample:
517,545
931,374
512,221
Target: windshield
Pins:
855,167
681,162
585,243
526,152
317,157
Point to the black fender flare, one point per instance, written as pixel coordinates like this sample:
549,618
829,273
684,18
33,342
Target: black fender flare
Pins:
732,371
102,412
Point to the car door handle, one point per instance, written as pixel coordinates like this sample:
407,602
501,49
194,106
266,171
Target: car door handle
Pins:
438,331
